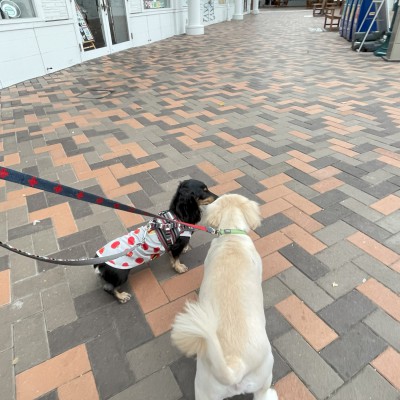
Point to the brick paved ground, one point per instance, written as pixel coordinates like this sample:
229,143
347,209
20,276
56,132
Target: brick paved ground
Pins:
266,107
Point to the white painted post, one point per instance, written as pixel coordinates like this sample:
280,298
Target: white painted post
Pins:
195,24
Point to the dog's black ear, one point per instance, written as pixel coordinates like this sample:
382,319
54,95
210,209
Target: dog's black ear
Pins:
184,205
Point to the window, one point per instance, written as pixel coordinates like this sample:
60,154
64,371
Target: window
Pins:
150,4
14,9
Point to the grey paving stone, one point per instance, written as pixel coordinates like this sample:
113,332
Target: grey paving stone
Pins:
80,237
339,254
372,165
280,369
385,326
58,306
4,262
6,336
30,341
91,301
275,324
350,171
334,233
368,384
304,261
367,227
253,185
379,271
20,309
382,189
357,194
17,217
302,189
184,371
361,209
128,318
152,356
390,223
53,395
246,193
110,367
393,242
44,242
353,351
60,315
22,267
274,291
29,229
7,380
320,378
377,176
82,279
331,214
160,385
301,177
273,224
80,331
329,198
342,280
39,282
75,252
36,202
3,227
347,311
305,289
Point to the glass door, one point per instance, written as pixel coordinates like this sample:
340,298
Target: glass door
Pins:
118,23
103,26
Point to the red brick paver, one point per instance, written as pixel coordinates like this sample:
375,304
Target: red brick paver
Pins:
306,322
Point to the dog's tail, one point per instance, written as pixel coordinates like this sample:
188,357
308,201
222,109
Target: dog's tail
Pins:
195,332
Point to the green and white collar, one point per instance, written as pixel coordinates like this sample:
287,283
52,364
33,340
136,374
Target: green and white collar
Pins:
221,232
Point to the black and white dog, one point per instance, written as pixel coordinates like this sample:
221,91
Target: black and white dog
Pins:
152,240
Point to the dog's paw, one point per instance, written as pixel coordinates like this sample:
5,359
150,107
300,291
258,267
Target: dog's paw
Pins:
122,297
271,394
180,268
186,249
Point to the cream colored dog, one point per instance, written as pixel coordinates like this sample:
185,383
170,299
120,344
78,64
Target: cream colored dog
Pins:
226,327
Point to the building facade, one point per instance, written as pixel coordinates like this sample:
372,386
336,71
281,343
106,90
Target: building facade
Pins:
38,37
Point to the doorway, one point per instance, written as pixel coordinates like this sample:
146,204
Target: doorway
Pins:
103,26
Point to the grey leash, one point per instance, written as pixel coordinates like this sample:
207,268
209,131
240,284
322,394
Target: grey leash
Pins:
79,261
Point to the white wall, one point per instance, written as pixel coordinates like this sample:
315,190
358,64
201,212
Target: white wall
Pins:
32,49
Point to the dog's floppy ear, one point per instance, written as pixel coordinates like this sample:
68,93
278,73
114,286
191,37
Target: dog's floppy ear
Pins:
213,214
251,212
185,205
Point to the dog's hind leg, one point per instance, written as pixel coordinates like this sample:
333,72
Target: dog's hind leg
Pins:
264,373
269,394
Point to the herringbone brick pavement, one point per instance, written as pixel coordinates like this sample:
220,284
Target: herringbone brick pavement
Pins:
269,107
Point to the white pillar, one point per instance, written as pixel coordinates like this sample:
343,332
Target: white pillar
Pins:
255,7
195,24
238,10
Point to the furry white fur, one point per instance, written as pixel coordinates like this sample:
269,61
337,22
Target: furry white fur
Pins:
226,327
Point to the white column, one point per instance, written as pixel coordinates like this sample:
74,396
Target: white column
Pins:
255,7
238,10
195,22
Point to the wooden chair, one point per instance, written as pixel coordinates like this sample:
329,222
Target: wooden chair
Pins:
333,15
320,8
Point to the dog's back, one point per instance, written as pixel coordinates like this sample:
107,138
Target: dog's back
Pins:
227,325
